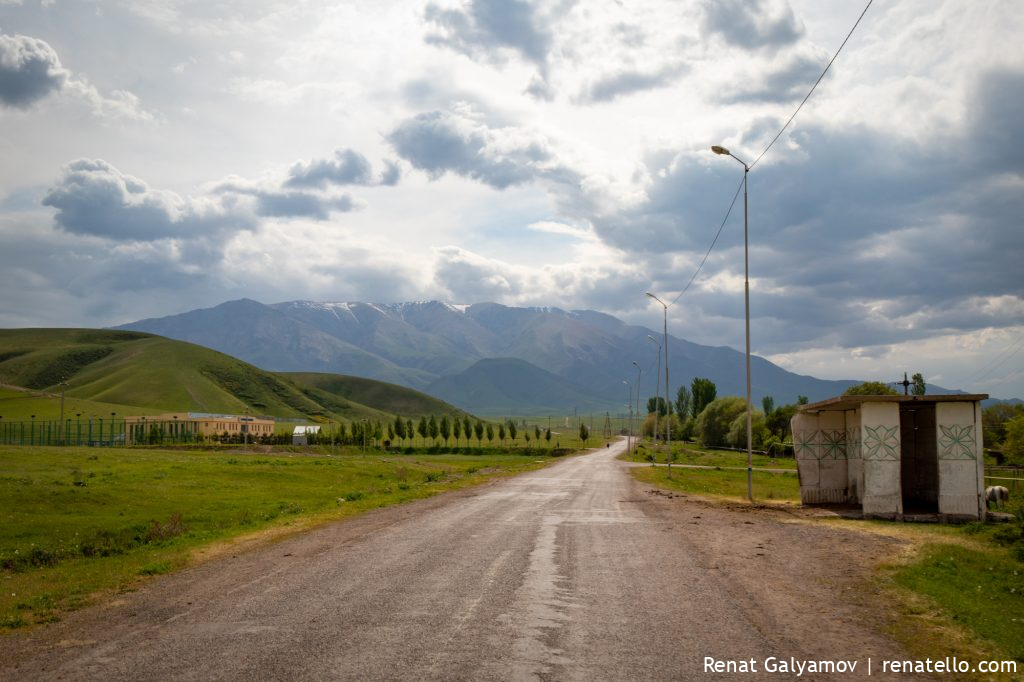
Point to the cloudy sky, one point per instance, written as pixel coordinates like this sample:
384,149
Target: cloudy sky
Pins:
164,155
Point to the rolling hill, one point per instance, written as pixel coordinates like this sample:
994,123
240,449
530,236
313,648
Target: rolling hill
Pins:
149,373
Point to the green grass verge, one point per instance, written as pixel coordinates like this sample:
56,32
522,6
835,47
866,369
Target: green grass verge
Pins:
80,522
691,453
728,483
979,589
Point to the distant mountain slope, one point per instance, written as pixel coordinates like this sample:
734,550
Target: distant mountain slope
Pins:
419,344
156,373
511,386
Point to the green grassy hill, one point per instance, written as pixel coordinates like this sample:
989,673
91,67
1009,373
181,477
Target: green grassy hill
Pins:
143,374
389,398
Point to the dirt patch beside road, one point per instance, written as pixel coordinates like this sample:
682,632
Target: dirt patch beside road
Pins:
805,584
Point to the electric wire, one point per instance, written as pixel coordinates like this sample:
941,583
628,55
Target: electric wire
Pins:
813,87
999,360
713,242
767,148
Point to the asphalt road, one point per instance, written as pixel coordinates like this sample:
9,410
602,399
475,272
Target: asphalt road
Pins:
574,572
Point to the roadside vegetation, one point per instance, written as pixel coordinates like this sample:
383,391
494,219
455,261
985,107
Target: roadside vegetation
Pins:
78,523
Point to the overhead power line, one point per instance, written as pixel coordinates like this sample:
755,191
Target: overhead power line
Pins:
767,148
813,87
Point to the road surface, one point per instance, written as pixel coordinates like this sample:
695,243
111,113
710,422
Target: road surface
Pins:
573,572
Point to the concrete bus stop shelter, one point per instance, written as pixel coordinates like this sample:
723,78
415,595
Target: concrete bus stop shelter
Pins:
898,457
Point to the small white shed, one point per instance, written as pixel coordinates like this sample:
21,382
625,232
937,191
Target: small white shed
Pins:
896,456
300,435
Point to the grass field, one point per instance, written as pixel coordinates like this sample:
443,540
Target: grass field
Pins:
691,453
80,522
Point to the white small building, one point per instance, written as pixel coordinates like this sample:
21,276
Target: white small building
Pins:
895,456
300,434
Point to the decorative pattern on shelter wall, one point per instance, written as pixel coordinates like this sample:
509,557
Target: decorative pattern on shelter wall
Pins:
881,443
853,450
833,444
805,445
957,442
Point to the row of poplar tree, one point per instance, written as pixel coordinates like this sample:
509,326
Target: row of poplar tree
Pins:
402,430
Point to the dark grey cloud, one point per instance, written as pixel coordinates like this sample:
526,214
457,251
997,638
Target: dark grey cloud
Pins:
29,71
787,83
94,198
488,28
997,123
348,167
438,142
612,86
862,238
752,24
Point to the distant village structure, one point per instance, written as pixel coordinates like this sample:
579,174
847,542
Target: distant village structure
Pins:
895,456
180,426
301,434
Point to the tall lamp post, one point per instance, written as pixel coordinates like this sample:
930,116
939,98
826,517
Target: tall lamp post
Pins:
629,407
668,417
746,315
657,389
639,426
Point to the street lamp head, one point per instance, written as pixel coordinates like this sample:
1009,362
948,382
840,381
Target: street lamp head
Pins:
720,150
663,304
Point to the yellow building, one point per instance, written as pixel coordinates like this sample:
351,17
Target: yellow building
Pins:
186,426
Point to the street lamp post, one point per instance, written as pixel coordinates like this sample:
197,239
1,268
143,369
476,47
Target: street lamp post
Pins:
639,424
657,389
629,408
668,417
746,315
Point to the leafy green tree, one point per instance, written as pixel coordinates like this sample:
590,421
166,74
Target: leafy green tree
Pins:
457,429
778,421
584,433
408,429
994,419
422,429
501,433
526,436
657,403
702,393
400,428
801,400
445,428
378,432
512,431
536,433
490,433
870,388
768,404
547,436
1013,445
478,429
683,401
758,431
919,387
467,426
432,428
715,420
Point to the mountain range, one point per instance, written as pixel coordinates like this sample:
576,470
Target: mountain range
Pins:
484,357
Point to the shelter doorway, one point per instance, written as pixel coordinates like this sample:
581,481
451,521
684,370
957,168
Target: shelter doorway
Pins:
919,459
